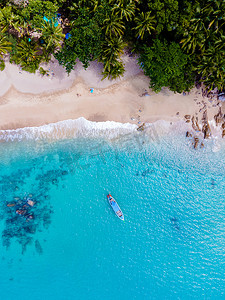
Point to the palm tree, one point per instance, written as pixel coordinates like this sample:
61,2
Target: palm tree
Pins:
212,68
113,70
193,40
3,3
27,55
96,4
22,28
197,24
220,41
7,18
52,35
90,5
111,51
27,50
5,45
194,36
110,54
113,47
145,23
125,9
215,13
113,25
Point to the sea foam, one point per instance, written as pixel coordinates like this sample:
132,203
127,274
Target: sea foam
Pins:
110,130
69,129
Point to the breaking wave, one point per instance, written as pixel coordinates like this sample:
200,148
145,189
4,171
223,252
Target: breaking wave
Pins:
110,130
69,129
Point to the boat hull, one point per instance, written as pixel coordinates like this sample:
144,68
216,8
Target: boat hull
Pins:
115,207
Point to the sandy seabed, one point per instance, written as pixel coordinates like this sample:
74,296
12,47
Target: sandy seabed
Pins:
29,100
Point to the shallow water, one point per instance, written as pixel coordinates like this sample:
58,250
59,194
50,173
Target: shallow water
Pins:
170,246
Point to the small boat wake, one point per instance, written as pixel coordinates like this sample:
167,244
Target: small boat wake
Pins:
115,207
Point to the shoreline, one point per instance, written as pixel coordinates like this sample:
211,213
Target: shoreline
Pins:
128,100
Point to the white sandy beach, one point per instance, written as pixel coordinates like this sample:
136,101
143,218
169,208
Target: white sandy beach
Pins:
31,100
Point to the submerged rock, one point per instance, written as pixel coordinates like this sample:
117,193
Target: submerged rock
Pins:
188,134
64,173
144,173
195,125
206,130
23,226
213,183
196,142
223,133
187,117
26,241
219,117
175,223
38,247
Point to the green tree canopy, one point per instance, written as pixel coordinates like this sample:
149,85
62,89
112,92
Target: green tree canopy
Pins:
35,10
51,34
8,19
145,23
110,57
113,25
26,55
176,34
5,45
166,13
125,9
84,43
3,3
211,68
167,65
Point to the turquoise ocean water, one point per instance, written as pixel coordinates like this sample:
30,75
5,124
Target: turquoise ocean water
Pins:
171,244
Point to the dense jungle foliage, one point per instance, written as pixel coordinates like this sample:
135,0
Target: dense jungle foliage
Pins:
178,42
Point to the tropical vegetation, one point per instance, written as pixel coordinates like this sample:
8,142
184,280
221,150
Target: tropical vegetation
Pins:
178,43
167,65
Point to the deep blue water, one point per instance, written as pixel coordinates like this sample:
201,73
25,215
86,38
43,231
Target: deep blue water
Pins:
170,246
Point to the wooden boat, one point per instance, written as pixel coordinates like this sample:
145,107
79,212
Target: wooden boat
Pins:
115,207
